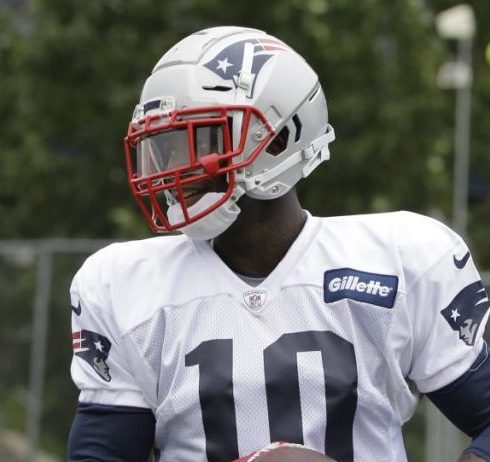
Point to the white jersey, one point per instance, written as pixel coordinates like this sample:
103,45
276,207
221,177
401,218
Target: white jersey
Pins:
332,349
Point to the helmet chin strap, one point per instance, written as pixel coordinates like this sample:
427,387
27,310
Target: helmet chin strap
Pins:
211,225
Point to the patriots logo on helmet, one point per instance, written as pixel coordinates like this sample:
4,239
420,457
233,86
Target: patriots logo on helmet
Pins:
227,63
94,349
465,313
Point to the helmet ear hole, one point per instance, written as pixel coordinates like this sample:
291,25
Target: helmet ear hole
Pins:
279,143
298,126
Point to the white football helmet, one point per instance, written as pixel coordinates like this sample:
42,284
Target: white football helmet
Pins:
227,111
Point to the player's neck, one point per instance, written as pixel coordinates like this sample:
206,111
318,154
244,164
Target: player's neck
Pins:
262,234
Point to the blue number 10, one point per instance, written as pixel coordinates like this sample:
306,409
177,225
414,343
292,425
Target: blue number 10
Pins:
215,361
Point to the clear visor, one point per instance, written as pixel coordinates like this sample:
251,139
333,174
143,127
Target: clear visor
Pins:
170,149
179,159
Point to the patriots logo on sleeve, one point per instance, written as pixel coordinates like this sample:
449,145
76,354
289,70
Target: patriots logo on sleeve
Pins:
465,313
227,63
94,349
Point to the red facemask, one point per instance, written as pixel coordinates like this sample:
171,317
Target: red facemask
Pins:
181,155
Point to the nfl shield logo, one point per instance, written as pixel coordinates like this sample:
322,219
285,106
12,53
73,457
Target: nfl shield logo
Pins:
254,299
167,104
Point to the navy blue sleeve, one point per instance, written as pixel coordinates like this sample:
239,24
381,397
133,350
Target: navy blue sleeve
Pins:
111,434
466,403
480,446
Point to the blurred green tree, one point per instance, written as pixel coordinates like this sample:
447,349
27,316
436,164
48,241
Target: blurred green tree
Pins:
73,71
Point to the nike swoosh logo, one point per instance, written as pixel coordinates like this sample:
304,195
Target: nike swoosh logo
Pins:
77,309
460,264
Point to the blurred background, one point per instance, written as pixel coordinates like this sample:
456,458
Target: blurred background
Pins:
408,88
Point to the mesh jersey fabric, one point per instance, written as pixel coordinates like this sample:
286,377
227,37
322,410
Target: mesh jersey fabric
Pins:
227,367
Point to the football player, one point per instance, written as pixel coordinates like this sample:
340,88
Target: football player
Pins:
260,322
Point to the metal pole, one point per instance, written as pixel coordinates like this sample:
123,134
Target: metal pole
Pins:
462,141
38,350
443,440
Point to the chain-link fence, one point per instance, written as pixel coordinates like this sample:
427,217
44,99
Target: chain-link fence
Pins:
37,397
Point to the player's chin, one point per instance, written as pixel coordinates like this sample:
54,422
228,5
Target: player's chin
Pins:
193,193
192,197
285,452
